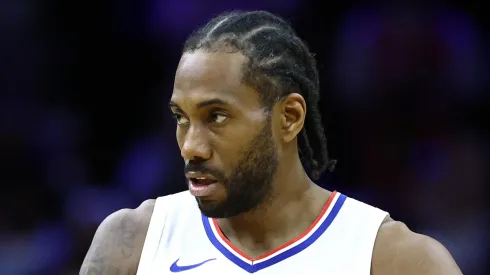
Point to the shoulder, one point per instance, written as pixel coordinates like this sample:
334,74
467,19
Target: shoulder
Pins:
136,219
118,241
398,250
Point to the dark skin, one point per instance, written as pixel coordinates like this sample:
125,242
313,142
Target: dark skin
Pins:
118,242
218,115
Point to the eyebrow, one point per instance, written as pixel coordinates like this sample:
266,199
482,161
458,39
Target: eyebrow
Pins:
214,101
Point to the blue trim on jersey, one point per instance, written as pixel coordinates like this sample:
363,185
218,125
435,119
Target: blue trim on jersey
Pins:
251,268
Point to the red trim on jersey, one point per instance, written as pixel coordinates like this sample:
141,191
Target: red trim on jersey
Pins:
308,230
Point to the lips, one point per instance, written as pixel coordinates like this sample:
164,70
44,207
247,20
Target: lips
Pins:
201,181
201,185
200,178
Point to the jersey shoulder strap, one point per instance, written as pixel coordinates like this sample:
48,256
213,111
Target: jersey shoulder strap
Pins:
159,220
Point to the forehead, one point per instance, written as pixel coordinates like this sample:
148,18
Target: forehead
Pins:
205,75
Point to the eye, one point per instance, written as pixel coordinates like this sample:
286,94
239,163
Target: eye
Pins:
180,119
218,117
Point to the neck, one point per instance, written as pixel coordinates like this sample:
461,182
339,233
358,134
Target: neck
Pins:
293,206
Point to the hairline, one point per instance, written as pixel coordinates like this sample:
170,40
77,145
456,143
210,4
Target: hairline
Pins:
248,73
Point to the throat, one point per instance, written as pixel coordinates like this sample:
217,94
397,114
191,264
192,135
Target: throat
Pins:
257,235
254,246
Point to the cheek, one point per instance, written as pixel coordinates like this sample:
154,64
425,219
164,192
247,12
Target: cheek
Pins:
227,152
179,135
277,129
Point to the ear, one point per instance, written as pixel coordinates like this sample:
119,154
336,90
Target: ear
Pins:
293,112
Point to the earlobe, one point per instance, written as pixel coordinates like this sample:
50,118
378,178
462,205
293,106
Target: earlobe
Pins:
293,116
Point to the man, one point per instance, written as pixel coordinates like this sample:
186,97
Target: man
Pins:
245,100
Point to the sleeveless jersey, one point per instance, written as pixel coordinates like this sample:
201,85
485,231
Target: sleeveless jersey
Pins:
182,240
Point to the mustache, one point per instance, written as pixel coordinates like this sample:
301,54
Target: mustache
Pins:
201,168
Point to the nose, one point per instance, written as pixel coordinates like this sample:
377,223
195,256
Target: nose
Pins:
196,145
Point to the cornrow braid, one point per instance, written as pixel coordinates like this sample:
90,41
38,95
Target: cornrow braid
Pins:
279,63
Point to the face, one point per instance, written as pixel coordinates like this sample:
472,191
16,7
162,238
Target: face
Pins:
224,134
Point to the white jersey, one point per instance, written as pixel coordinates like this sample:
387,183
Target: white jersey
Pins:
181,239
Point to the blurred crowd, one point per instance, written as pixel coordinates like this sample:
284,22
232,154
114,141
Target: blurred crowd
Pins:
85,130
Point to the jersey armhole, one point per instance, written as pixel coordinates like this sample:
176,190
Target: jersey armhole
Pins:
381,217
156,228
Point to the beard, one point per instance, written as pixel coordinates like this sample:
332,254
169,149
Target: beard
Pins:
250,182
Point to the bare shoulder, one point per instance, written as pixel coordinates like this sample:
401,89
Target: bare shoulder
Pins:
118,242
398,250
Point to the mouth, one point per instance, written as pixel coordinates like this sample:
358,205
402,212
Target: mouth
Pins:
202,185
202,181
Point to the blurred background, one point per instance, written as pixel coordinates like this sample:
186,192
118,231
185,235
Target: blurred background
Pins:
85,129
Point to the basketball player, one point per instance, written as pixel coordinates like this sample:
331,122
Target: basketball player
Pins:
245,100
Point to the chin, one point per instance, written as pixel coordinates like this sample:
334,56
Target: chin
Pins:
216,210
210,208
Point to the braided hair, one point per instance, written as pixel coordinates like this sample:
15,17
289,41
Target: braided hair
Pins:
279,63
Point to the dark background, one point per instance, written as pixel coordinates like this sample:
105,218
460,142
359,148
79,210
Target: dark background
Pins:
85,130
